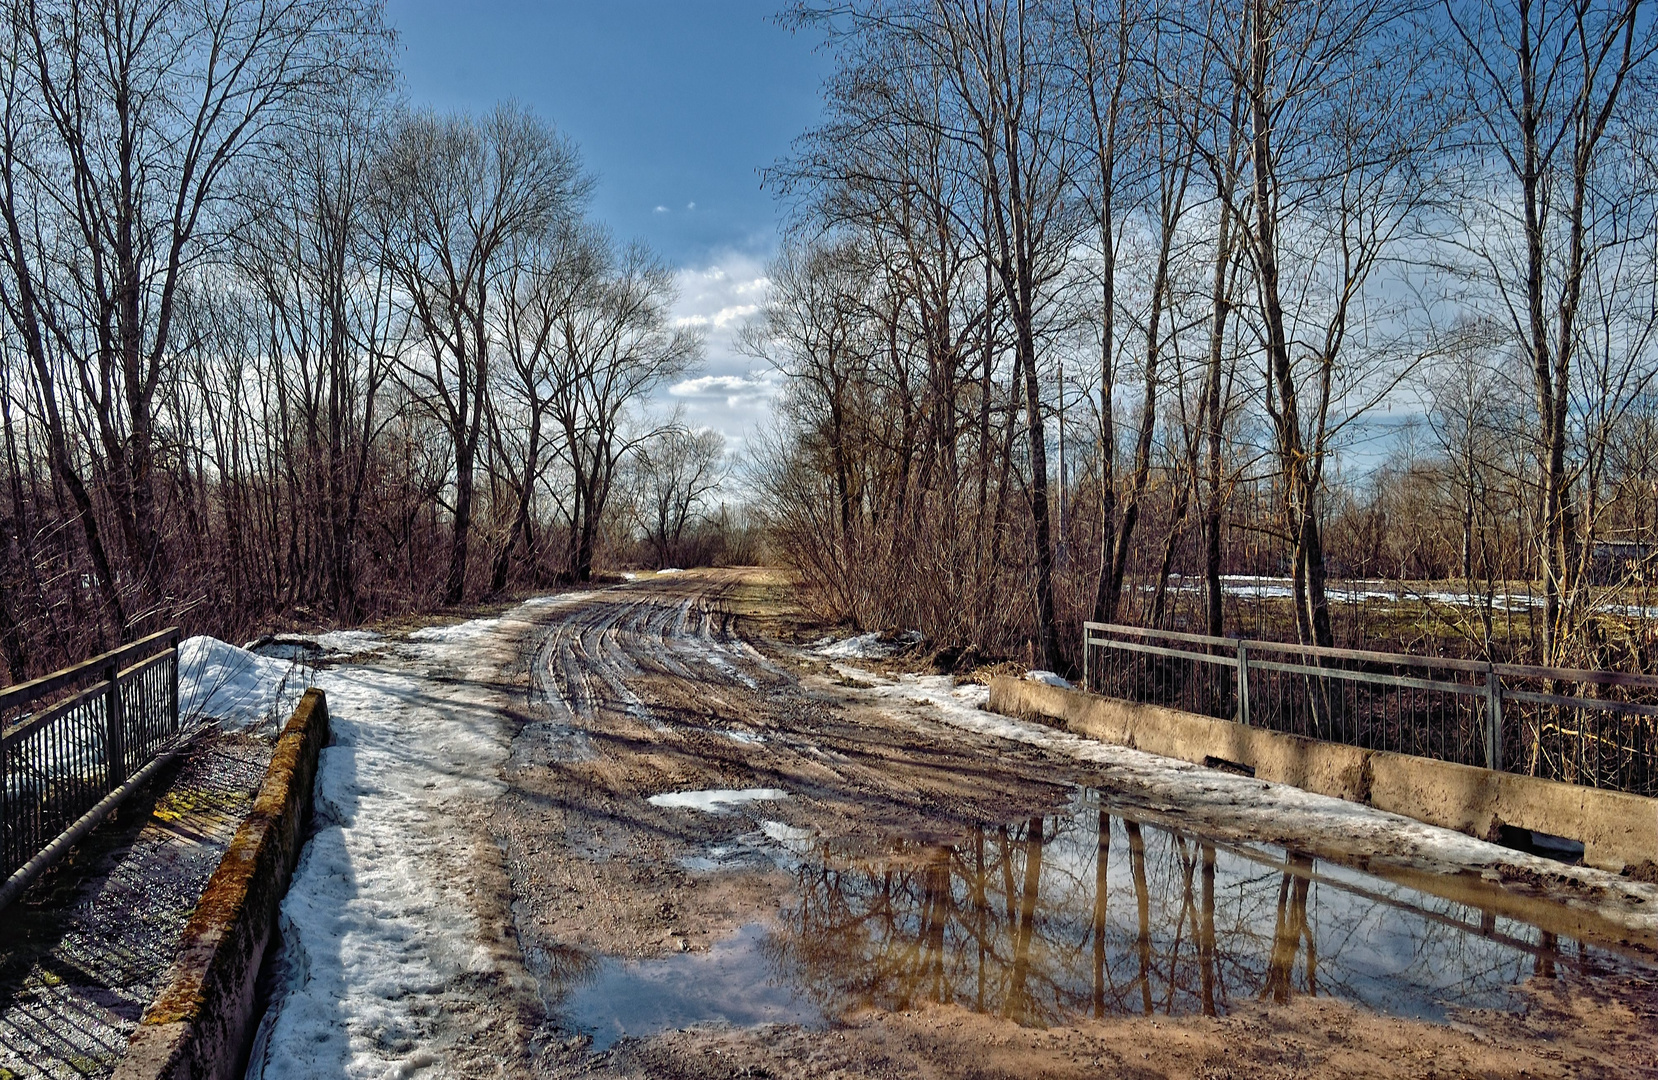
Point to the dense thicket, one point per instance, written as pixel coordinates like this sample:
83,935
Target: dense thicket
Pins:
1086,306
274,346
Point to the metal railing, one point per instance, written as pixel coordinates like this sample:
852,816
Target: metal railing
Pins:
1597,728
71,738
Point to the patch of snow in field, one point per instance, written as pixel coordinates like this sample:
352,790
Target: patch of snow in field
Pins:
671,570
715,800
238,688
1631,611
1048,678
743,736
1285,813
1260,587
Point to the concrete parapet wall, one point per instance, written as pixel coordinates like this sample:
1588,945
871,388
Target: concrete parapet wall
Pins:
1615,828
199,1026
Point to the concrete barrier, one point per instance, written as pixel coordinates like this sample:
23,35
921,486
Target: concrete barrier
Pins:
199,1026
1615,828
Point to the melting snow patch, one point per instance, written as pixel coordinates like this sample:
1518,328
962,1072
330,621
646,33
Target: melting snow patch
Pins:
671,570
796,840
1048,678
712,802
378,934
348,642
867,646
743,736
862,647
558,598
470,630
238,688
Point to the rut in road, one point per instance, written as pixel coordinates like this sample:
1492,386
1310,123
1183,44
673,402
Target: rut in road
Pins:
587,660
656,688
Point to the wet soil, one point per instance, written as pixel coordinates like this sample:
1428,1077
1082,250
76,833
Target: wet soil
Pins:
932,901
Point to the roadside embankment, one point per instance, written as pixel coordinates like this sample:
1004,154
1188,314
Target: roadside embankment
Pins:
197,1028
1617,830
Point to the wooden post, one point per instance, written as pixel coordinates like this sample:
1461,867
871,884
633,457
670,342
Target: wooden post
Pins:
1493,720
1085,685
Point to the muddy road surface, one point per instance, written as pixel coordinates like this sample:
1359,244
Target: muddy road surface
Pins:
710,843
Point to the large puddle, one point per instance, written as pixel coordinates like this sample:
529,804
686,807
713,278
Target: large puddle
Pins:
1085,912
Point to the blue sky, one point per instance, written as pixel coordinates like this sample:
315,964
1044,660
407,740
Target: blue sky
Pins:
676,108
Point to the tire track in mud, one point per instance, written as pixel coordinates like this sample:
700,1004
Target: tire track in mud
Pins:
588,659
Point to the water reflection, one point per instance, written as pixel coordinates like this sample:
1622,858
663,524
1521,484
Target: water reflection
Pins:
1087,912
1084,912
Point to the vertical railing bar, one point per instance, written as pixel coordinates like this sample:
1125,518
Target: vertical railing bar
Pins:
114,751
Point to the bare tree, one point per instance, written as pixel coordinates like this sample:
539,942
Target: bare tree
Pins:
1337,161
1556,96
612,346
672,477
460,193
119,125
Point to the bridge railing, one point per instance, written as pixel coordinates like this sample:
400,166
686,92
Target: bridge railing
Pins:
1598,728
73,737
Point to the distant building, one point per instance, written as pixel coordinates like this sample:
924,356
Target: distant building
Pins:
1615,561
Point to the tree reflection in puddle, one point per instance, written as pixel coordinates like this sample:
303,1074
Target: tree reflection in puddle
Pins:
1087,912
1084,912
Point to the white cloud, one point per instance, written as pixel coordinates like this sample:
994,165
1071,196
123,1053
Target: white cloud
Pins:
721,318
690,206
738,392
728,394
659,209
724,384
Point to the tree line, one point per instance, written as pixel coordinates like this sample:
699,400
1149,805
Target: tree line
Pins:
1086,305
277,345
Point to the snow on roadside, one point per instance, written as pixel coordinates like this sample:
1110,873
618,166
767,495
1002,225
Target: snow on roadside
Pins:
377,927
238,688
859,647
458,633
865,646
1273,810
342,643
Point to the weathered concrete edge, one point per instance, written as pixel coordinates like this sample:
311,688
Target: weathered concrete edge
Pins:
198,1027
1616,829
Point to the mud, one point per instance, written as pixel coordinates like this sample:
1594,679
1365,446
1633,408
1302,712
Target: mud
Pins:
926,900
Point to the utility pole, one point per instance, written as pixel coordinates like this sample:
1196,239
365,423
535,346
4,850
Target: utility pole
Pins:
1063,493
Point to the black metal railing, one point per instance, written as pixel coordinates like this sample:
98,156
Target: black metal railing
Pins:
1597,728
69,739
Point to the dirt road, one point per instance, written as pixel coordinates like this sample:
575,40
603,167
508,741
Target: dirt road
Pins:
699,848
